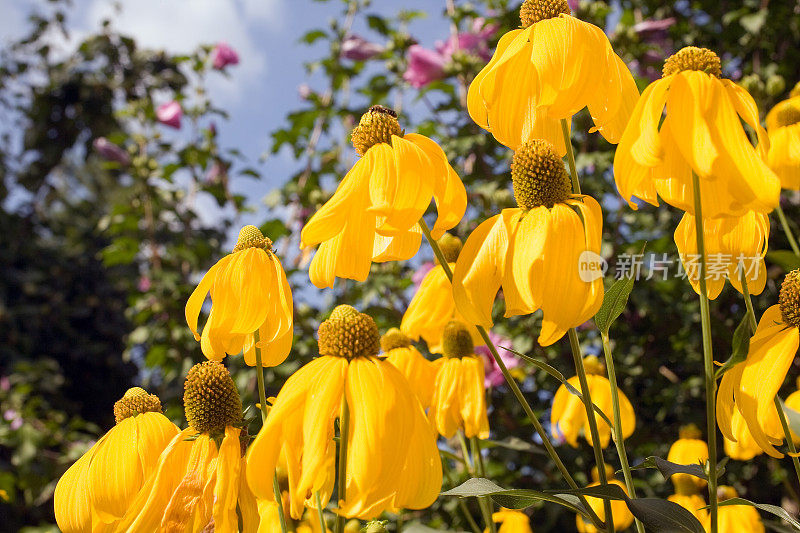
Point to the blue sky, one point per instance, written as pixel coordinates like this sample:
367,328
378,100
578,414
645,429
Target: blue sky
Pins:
262,89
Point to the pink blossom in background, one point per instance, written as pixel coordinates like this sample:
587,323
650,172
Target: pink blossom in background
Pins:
5,383
10,415
304,91
421,272
144,284
110,151
170,114
648,27
473,42
424,66
573,4
494,376
216,172
357,48
223,55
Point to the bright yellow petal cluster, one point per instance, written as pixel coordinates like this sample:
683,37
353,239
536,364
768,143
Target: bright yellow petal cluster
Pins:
689,449
96,491
701,133
392,459
619,509
270,520
730,243
459,392
549,70
568,414
374,212
197,477
738,518
750,387
693,503
511,521
783,128
250,296
744,447
418,371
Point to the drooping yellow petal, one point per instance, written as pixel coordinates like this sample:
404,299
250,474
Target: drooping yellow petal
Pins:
72,504
475,102
687,451
473,398
527,242
198,296
418,371
445,405
226,489
619,510
784,155
399,247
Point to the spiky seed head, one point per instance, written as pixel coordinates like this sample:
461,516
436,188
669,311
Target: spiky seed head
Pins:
457,340
377,125
789,299
593,365
375,526
394,338
251,237
348,333
689,431
450,246
210,398
533,11
539,176
134,402
693,58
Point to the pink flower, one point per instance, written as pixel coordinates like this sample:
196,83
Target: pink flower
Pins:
421,272
217,172
144,284
357,48
170,114
304,91
110,151
494,376
424,66
473,42
573,5
12,416
654,26
223,55
5,383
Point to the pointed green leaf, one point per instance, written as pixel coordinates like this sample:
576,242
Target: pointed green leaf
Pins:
741,344
614,302
773,509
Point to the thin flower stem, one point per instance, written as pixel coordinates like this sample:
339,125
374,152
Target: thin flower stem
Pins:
512,384
320,515
344,429
708,358
461,502
788,231
619,440
481,470
592,419
471,468
784,424
262,398
573,172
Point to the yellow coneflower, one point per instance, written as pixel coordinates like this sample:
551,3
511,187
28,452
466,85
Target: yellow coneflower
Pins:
619,510
750,386
783,128
459,393
694,503
433,306
547,71
568,414
738,518
270,520
392,459
94,493
689,449
535,252
420,373
197,478
701,133
793,402
511,522
250,296
374,212
730,243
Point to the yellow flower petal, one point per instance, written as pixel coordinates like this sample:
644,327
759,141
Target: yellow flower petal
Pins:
473,398
226,490
445,405
73,508
198,296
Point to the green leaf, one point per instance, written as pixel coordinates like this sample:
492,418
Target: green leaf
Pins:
513,443
560,377
784,258
614,302
741,344
514,498
668,468
772,509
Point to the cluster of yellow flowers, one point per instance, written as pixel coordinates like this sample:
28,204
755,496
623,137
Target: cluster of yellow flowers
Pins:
362,425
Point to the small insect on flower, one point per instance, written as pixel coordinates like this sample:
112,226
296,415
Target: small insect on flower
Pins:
569,416
547,71
420,373
783,128
702,134
373,214
197,477
535,252
251,303
459,393
749,388
392,461
96,491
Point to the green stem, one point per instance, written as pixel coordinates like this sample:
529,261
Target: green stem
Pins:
485,511
512,384
788,231
592,420
708,358
344,428
573,172
323,527
262,398
619,440
486,502
461,502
